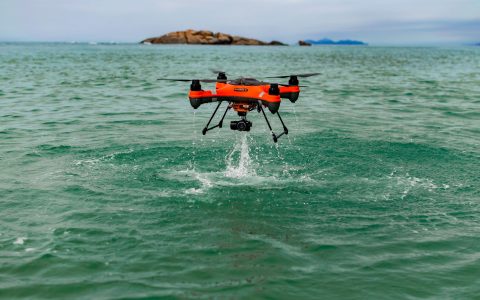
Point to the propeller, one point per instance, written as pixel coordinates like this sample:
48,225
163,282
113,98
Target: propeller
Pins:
254,82
240,81
295,75
188,80
283,84
216,71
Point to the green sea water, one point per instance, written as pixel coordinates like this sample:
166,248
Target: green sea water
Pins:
108,189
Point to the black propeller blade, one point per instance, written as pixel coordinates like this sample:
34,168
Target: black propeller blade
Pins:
254,82
215,71
240,81
188,80
292,85
296,75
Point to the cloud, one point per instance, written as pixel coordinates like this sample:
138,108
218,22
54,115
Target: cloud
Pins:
287,20
412,32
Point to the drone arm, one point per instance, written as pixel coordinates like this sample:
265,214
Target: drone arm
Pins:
290,92
198,98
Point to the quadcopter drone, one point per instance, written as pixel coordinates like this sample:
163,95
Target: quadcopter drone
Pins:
244,95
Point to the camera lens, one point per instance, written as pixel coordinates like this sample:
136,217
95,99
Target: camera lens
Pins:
241,126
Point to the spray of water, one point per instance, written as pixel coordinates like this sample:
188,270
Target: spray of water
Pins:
194,140
244,167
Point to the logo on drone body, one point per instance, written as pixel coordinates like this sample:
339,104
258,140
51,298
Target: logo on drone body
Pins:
240,89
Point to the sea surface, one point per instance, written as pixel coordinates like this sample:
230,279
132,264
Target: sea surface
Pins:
108,189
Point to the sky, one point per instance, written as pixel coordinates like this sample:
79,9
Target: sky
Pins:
389,22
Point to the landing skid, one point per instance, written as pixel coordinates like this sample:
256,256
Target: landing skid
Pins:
274,136
220,124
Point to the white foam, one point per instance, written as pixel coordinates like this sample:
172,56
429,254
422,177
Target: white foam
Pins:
20,241
202,177
93,161
411,182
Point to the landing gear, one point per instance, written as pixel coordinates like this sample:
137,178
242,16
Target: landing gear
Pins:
220,124
274,136
244,124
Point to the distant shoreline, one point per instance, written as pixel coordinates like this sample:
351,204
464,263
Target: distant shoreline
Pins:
330,42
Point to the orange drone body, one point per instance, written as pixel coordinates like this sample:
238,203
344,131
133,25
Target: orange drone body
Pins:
243,97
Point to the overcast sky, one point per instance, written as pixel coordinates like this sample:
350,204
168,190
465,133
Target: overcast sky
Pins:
373,21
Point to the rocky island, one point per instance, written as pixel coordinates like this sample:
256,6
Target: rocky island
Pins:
205,37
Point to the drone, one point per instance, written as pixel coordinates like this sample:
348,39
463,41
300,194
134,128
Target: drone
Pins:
244,95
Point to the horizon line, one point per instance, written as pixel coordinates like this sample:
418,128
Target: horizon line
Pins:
112,42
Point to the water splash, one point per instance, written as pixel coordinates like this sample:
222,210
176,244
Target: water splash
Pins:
245,162
194,140
202,178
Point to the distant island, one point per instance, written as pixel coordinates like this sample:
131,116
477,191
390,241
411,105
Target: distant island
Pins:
340,42
303,43
205,37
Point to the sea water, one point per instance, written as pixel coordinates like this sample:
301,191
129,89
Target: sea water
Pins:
109,190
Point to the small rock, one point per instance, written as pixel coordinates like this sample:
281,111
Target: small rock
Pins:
303,43
277,43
